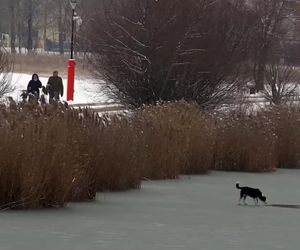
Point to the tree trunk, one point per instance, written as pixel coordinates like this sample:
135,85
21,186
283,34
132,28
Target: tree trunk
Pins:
19,26
60,29
29,23
259,84
13,26
260,71
45,23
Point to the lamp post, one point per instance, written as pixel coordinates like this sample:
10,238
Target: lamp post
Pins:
73,5
71,63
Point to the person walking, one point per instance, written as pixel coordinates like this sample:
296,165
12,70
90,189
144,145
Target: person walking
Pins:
33,87
55,87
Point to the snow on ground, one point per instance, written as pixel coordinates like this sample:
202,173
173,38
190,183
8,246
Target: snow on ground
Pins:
86,90
188,214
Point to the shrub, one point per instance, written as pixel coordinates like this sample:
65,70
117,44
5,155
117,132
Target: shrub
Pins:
169,50
5,70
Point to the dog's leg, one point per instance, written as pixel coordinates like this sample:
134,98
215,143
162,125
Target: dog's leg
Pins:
241,196
244,199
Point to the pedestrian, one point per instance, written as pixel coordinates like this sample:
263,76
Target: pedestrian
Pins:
33,87
55,87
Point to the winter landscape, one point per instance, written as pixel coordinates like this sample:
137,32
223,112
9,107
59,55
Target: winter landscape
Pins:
200,212
142,125
86,90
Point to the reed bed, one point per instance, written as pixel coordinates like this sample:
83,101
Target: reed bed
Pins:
117,166
173,139
42,153
287,124
158,142
50,155
245,143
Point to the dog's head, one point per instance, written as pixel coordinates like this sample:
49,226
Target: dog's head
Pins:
263,198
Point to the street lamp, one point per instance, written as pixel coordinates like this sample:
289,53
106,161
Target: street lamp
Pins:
73,5
71,63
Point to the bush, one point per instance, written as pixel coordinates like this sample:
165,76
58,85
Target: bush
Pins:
281,83
5,70
169,50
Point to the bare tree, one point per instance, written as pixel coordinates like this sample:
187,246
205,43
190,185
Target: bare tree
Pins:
20,25
13,18
169,50
29,5
55,20
5,69
281,83
45,20
63,17
269,15
25,19
60,27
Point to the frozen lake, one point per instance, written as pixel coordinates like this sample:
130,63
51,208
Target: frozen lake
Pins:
190,214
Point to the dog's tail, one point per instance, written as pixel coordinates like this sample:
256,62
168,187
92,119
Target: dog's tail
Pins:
237,185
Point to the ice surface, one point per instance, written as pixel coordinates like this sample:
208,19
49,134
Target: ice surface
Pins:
200,213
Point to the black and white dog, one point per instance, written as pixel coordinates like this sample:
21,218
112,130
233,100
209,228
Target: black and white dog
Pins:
254,193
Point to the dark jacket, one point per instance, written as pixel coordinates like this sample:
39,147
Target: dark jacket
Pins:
34,86
55,84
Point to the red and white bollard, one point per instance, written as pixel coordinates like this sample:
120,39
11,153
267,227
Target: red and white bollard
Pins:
71,79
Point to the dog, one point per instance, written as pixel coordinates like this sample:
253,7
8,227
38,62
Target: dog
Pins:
254,193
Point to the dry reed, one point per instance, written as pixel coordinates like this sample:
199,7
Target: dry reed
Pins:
117,169
245,142
174,138
287,124
42,153
50,155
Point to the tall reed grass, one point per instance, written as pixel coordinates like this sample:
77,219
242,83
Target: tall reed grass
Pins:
245,142
41,154
173,138
287,124
117,166
50,155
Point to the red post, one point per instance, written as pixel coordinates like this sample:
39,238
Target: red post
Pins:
71,78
